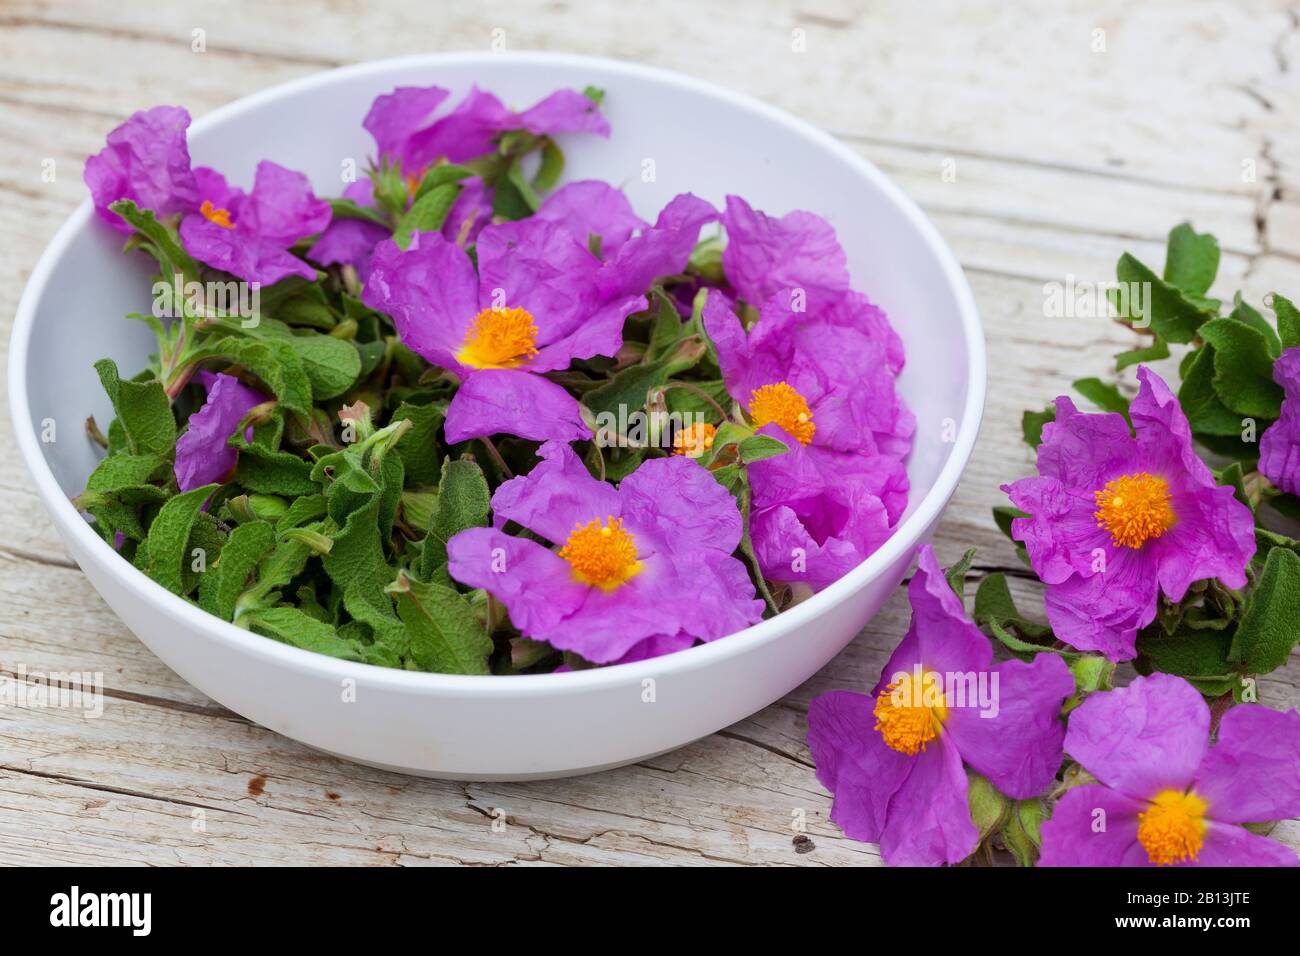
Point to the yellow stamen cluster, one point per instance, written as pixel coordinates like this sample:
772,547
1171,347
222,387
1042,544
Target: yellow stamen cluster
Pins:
213,214
1134,508
499,338
905,721
601,554
695,440
780,404
1172,828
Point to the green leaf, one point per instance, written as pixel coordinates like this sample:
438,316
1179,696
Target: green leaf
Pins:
1288,321
1104,395
143,410
277,569
357,566
427,213
551,168
419,447
1266,541
1031,425
1159,305
1241,312
989,809
272,472
169,537
220,587
1187,653
956,574
272,360
1243,368
332,365
351,209
1157,350
995,605
165,244
464,501
758,447
1200,401
117,472
1192,259
1022,834
446,635
515,197
289,625
1270,626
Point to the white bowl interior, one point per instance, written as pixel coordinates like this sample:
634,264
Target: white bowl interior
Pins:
695,138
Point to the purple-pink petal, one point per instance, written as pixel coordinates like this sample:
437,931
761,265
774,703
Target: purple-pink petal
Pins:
558,495
1279,446
683,503
1252,773
534,583
202,455
1228,845
513,402
1092,825
929,821
564,111
395,116
145,160
1144,738
591,207
766,257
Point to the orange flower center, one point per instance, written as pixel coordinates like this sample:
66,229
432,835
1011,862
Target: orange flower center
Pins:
780,404
910,712
1134,509
1172,829
212,214
499,338
695,440
603,555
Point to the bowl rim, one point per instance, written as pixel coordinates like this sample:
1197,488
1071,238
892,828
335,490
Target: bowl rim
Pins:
904,539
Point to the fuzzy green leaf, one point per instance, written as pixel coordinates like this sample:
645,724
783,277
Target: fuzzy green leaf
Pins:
446,635
427,213
1243,368
1288,321
169,536
1270,626
289,625
143,410
1192,259
221,586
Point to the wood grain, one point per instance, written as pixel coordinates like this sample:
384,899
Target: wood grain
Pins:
1064,157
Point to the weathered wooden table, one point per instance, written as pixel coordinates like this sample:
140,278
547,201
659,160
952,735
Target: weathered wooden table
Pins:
1043,140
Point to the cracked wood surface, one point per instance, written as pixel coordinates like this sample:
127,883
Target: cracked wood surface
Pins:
1064,158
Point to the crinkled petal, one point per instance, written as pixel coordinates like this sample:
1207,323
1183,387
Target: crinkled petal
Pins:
1214,537
600,334
1017,742
591,207
243,254
947,641
1144,738
656,646
348,242
928,822
538,266
396,116
282,207
610,623
1228,845
853,763
1093,825
1084,451
431,292
663,249
1163,435
146,160
564,111
535,584
213,188
1252,773
797,253
1104,611
1279,446
1061,534
471,211
513,402
855,311
556,496
464,133
683,503
202,455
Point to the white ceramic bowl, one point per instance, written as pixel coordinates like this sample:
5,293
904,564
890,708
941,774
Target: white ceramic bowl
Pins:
699,138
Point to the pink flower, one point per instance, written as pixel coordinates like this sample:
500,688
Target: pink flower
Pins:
1116,517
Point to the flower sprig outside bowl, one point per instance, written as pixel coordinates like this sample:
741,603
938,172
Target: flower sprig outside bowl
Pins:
1160,530
459,420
